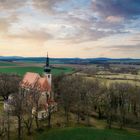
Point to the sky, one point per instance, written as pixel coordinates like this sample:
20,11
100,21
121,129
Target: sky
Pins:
70,28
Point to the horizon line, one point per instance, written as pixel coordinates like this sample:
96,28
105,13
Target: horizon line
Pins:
72,57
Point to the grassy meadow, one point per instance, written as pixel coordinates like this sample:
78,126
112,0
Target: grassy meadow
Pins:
107,77
21,69
120,78
87,134
84,133
7,64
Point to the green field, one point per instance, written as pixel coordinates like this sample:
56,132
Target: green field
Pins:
22,70
87,134
7,64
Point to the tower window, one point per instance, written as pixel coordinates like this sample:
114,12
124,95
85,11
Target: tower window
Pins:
48,76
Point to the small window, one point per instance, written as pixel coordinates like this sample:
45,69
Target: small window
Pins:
48,76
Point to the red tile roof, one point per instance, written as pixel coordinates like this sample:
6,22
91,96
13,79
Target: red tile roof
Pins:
43,84
34,80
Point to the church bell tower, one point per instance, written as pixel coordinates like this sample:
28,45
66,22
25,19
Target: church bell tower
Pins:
47,70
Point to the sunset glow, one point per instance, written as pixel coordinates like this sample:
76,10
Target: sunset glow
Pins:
70,28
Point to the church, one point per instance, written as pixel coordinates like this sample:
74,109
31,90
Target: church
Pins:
44,84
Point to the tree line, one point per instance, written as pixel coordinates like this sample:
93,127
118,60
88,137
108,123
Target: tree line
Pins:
117,103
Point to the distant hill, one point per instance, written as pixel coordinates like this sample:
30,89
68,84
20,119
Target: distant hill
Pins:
10,57
101,60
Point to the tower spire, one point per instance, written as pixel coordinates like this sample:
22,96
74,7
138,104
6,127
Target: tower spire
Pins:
47,68
47,60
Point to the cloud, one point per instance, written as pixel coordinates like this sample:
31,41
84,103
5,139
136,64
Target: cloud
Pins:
11,4
4,25
84,26
47,5
9,14
88,27
35,35
124,48
136,38
114,19
87,34
124,8
83,23
91,48
75,25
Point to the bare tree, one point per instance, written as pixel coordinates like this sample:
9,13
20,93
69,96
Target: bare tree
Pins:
122,93
78,90
17,105
3,127
67,95
109,106
89,90
55,85
8,84
50,111
35,95
28,107
8,122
